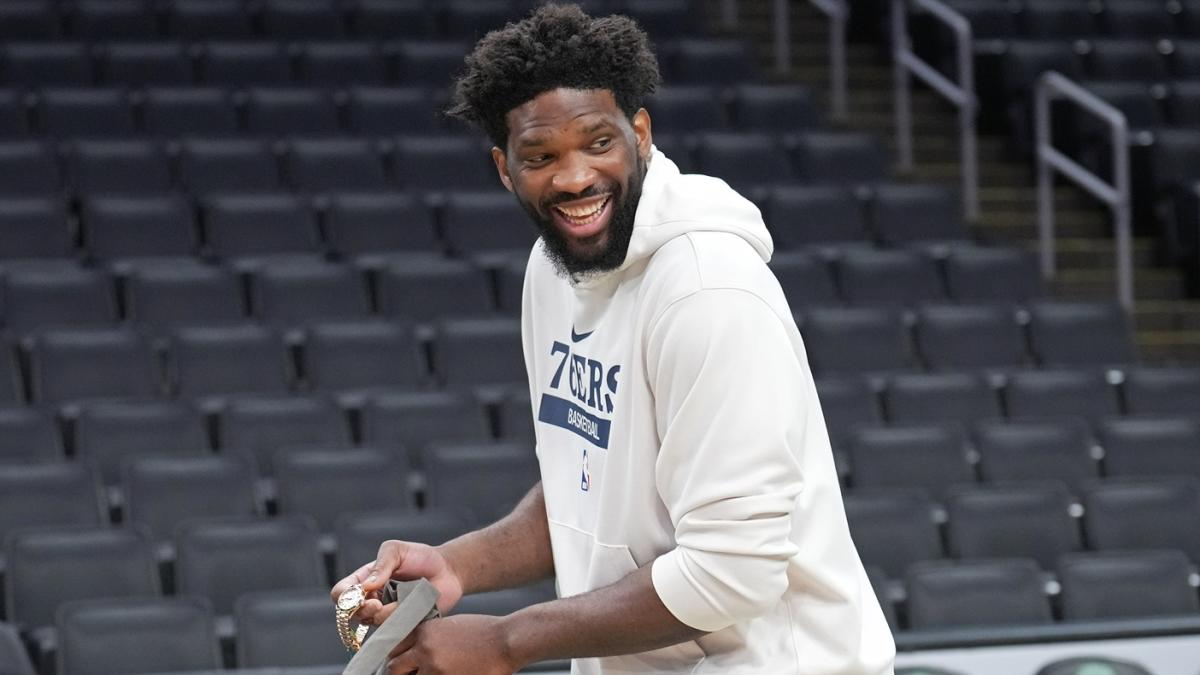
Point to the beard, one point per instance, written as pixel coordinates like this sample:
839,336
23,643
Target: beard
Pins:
569,262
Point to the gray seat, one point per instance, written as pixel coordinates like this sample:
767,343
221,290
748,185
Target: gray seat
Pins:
918,398
161,492
1144,513
110,433
976,593
1042,449
101,637
1150,446
1012,521
356,357
930,457
262,426
359,534
892,529
856,340
50,495
14,657
1080,333
889,277
472,352
1126,584
326,484
29,435
213,361
413,420
484,480
969,336
293,293
1061,392
67,366
286,630
1162,391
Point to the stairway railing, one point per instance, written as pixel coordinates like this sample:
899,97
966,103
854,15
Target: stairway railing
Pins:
838,12
1116,195
906,63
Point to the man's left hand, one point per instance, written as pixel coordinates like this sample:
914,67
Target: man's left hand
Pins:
466,644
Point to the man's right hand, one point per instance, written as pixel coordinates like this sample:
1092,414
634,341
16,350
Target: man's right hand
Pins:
403,561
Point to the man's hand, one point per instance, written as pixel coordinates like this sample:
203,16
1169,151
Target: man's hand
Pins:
467,644
403,561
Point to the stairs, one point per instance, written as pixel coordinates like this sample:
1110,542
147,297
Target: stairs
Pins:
1167,323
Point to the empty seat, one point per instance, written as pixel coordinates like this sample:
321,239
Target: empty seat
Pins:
473,18
132,227
111,166
28,168
208,19
442,163
161,492
49,495
264,426
1126,60
1126,585
259,224
179,111
14,657
773,107
485,481
37,298
1059,19
34,227
515,421
1044,449
326,484
291,630
888,277
840,158
367,226
1026,60
85,112
1144,513
711,61
917,213
412,421
281,111
1060,392
930,457
847,403
28,435
992,274
505,602
1012,521
359,535
111,433
101,563
806,215
806,280
976,593
301,19
481,222
426,288
14,116
289,294
920,398
855,340
361,356
142,63
1166,446
159,297
337,63
969,336
381,111
207,361
101,19
212,165
73,365
47,64
244,63
98,637
428,63
468,352
28,20
223,559
1138,19
1183,104
390,18
745,160
892,529
687,108
335,164
1162,390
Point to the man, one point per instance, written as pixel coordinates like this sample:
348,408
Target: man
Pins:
689,505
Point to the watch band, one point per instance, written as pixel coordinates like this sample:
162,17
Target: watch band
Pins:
416,602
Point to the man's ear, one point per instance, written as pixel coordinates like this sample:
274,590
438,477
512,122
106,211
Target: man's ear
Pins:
641,131
502,167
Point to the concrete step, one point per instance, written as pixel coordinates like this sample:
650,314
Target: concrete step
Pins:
1149,283
1066,198
990,173
1168,315
1168,346
1089,253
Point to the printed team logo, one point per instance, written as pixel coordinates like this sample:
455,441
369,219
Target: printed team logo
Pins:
581,395
585,481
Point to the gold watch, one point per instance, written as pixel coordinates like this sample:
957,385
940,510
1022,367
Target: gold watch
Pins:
347,604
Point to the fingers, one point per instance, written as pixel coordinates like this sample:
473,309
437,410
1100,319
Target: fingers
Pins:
390,557
355,577
374,612
403,659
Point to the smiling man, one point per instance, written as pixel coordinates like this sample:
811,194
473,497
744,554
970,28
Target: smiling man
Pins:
689,506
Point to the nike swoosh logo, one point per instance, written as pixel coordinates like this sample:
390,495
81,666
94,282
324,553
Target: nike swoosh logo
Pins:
576,337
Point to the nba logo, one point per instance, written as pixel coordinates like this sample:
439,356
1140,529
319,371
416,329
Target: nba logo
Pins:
585,480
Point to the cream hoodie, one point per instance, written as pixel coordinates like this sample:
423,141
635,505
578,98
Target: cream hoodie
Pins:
677,424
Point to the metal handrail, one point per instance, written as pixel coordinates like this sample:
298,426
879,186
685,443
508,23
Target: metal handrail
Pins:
838,12
1053,85
962,93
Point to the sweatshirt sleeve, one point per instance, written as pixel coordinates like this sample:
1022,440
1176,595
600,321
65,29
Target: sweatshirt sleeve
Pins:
729,406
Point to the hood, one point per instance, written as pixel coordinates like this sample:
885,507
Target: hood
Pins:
674,204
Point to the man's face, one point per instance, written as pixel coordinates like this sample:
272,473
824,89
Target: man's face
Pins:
575,163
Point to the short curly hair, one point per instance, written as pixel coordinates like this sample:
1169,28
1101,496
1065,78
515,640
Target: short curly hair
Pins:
556,46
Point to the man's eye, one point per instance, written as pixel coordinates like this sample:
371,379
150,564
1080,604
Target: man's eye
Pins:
602,143
537,159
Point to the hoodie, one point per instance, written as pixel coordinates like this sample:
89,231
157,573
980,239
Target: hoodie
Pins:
677,425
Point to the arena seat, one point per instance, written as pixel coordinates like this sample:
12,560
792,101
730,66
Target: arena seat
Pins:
411,421
353,359
943,594
694,60
279,110
119,166
275,630
158,298
1125,59
28,435
1183,104
1059,19
27,168
34,227
1063,333
442,162
326,165
163,491
289,294
1016,520
1144,513
110,433
1036,449
952,337
301,19
358,535
687,108
72,365
387,110
212,165
772,107
50,495
746,160
888,277
14,114
475,352
97,637
1150,446
254,227
992,274
339,63
119,228
931,457
100,19
207,19
920,398
1126,584
428,63
28,20
213,361
840,158
1054,392
481,223
370,227
390,18
893,528
505,602
262,426
14,658
806,280
471,19
240,63
145,63
1162,390
917,214
325,483
38,297
485,480
1131,18
93,112
815,215
426,288
847,403
856,340
47,64
513,419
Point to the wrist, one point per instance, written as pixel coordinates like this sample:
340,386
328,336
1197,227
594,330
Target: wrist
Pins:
516,651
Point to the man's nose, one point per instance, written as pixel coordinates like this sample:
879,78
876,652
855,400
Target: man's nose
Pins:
575,174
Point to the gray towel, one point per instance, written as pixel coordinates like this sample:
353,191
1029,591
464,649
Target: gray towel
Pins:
416,602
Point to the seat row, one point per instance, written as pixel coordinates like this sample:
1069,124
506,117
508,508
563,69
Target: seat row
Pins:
187,19
1064,19
236,63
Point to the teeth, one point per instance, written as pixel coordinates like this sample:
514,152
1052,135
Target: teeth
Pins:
583,211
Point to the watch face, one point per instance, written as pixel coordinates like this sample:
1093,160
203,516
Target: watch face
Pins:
351,598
